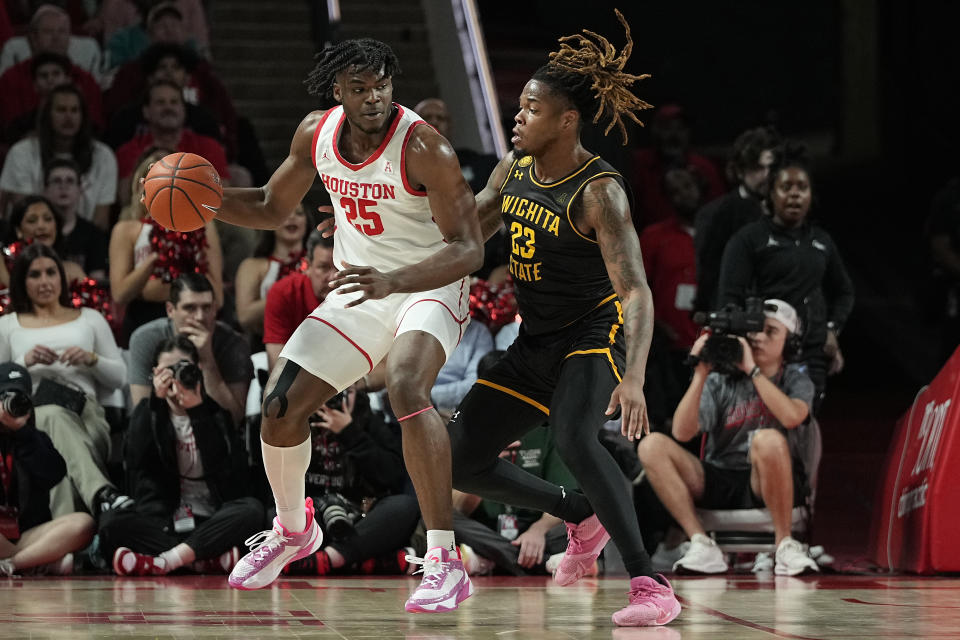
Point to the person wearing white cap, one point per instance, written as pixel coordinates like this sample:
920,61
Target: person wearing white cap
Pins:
755,421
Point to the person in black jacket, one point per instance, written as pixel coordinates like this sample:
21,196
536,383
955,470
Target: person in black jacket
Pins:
185,468
29,468
356,479
785,256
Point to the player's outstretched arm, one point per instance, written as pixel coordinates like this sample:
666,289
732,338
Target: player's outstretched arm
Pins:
432,163
268,206
607,212
489,198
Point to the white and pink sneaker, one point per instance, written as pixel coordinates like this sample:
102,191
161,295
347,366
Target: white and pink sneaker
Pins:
272,550
652,603
585,541
445,583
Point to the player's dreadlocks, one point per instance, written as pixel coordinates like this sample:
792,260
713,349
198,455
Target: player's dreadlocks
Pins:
592,77
365,54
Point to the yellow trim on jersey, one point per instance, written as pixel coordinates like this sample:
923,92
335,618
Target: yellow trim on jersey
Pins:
515,394
616,325
598,305
588,352
574,197
533,175
509,173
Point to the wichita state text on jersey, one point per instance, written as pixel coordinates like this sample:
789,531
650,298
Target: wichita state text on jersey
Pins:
559,272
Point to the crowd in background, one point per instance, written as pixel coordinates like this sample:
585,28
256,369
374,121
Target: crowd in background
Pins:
143,351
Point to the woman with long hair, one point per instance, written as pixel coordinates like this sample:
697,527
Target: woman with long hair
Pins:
73,360
36,219
63,130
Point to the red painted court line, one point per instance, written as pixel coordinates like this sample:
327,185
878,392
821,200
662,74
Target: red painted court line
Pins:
892,604
741,621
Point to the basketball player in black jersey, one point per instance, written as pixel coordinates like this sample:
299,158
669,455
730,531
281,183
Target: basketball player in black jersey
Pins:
587,320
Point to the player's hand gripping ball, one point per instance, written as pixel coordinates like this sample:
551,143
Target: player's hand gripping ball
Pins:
182,191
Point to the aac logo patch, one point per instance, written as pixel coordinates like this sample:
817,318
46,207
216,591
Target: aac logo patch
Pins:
525,161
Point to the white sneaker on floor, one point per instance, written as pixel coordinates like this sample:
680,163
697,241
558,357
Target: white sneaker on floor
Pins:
703,556
793,559
762,563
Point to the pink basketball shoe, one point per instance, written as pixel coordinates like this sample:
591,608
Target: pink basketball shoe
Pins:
651,604
585,541
445,583
272,550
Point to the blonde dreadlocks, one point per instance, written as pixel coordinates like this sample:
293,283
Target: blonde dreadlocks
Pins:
591,73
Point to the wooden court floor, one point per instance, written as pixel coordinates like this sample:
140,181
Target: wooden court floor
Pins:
742,607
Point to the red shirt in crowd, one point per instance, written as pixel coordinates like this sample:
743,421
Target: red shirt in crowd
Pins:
18,95
190,142
671,265
289,301
652,202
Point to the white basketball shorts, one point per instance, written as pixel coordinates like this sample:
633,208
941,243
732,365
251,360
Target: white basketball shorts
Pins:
339,345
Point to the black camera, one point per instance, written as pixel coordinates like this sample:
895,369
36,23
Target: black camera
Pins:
186,373
15,403
336,516
723,350
336,402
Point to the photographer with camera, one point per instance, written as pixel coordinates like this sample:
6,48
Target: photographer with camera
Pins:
186,472
756,416
29,468
356,481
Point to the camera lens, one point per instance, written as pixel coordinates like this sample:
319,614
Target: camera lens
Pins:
186,373
16,403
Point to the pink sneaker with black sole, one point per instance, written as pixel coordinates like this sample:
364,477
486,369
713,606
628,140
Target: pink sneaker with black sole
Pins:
445,583
652,603
272,550
585,541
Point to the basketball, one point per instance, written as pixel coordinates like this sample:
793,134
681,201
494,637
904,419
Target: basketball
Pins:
182,191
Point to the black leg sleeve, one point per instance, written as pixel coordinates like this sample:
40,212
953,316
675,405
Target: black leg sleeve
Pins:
234,522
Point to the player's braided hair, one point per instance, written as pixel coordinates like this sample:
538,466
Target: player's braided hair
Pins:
365,54
591,76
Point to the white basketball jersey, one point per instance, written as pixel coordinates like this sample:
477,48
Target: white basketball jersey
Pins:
382,221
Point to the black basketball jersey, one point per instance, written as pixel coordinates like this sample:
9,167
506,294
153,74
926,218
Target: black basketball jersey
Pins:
558,271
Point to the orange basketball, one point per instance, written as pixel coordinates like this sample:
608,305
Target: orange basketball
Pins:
182,191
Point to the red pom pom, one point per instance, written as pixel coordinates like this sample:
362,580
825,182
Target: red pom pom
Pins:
493,305
177,252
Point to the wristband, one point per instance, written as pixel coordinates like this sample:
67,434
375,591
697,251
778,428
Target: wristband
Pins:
755,372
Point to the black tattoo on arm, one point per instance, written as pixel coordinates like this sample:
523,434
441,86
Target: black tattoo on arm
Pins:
607,212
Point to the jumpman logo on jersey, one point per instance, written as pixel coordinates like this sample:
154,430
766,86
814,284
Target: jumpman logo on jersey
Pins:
388,167
324,157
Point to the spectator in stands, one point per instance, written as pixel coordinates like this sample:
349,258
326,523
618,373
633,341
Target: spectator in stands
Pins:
114,15
17,84
671,149
29,537
476,168
164,112
49,70
749,168
515,541
187,474
167,62
36,219
356,481
224,353
74,361
49,30
787,257
145,258
293,298
164,23
131,191
278,254
757,422
670,265
82,241
460,371
63,130
943,235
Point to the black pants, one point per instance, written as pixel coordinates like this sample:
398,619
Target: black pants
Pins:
493,546
567,377
386,527
234,522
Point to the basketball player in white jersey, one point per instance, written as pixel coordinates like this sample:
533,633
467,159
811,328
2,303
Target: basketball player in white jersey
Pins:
407,236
